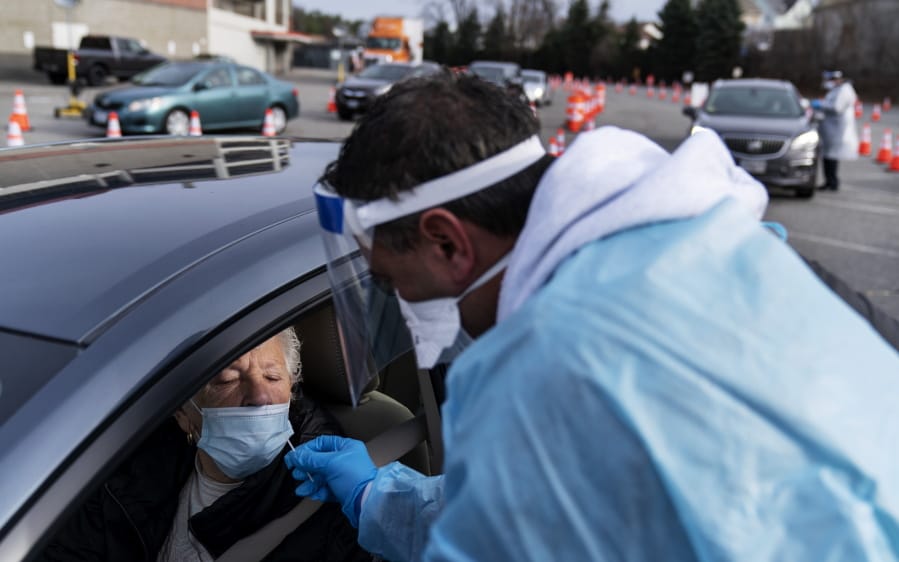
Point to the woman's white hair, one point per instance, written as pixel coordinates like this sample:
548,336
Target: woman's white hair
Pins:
290,344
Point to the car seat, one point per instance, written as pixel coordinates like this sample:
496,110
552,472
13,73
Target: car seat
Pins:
324,380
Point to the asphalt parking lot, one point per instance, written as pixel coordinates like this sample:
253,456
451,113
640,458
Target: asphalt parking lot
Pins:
854,232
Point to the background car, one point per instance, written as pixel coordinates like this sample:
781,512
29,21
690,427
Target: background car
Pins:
167,259
536,87
226,96
358,92
767,128
506,75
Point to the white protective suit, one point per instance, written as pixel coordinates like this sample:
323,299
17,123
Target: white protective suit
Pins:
838,135
666,381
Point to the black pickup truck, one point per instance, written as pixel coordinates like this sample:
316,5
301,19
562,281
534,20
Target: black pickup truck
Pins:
97,57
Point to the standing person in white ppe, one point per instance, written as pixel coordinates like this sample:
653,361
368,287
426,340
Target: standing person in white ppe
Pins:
654,375
838,135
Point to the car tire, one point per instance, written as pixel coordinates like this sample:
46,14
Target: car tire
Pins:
96,75
279,118
176,122
805,192
344,114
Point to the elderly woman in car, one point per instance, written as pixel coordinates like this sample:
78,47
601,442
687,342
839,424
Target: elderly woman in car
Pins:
214,475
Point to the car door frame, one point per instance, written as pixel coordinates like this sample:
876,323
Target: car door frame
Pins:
249,95
126,428
215,105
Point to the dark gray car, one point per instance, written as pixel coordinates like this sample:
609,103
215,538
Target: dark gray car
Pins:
768,129
137,270
358,92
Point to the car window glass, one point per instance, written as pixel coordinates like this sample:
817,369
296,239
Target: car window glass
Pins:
132,46
248,76
753,101
170,74
218,78
389,72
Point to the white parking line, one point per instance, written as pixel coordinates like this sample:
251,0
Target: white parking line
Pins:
848,205
885,252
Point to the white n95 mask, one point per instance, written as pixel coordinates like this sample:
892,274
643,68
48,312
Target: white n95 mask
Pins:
246,439
436,325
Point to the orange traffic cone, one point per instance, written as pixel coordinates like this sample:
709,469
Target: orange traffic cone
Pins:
632,90
864,146
875,113
894,163
886,147
268,124
590,125
663,93
20,112
14,134
560,140
650,92
332,100
553,146
576,112
859,109
688,100
195,130
113,129
887,104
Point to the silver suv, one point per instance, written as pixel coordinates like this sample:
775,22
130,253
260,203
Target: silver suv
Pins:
768,128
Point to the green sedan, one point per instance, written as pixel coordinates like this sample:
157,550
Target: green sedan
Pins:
226,96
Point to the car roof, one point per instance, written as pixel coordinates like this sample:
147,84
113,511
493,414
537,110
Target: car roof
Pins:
494,63
93,227
754,83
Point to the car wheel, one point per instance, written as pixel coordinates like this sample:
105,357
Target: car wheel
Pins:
96,75
177,122
344,114
279,118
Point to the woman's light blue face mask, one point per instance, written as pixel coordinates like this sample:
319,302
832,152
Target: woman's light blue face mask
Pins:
244,440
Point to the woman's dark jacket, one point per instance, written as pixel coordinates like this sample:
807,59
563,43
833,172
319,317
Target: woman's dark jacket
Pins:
130,516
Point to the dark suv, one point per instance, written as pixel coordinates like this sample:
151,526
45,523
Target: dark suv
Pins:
768,129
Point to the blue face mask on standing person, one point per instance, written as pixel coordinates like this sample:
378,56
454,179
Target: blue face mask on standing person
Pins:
243,440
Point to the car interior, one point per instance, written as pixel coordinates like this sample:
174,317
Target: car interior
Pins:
397,414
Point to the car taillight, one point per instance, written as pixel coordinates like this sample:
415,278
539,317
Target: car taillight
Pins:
296,93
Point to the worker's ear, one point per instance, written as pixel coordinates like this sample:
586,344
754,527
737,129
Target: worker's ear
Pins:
447,244
185,419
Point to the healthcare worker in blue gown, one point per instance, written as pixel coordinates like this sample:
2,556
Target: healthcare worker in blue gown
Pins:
654,374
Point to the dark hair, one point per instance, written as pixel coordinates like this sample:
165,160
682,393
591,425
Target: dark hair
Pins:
430,127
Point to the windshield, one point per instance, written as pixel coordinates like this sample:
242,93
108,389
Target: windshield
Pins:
386,43
754,101
491,73
389,72
169,74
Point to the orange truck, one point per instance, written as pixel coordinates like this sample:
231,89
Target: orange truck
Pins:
394,39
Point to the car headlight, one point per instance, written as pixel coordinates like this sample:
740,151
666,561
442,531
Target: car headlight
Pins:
383,89
697,128
805,141
145,104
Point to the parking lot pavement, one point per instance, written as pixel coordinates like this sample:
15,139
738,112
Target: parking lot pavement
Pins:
854,232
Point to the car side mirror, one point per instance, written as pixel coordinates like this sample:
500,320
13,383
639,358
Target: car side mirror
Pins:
200,86
690,112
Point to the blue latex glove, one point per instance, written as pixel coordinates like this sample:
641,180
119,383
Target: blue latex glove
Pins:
332,468
816,104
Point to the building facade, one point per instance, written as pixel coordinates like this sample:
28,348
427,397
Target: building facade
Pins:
252,32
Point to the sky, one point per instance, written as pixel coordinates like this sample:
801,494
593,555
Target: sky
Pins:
622,10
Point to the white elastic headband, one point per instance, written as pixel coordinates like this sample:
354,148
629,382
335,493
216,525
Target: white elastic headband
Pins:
451,186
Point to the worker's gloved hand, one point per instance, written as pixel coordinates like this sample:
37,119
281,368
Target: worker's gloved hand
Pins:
332,468
816,104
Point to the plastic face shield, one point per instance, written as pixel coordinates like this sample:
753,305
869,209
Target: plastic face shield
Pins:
371,327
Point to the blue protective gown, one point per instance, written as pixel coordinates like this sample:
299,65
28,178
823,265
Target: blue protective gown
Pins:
681,390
